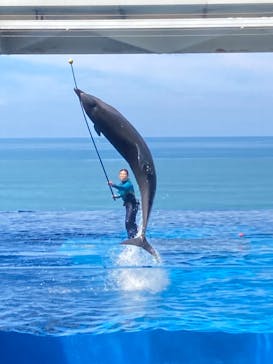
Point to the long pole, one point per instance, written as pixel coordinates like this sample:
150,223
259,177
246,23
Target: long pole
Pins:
89,130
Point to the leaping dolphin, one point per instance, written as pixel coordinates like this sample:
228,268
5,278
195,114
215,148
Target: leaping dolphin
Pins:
129,143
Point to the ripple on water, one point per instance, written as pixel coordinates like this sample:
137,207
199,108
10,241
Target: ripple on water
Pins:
64,273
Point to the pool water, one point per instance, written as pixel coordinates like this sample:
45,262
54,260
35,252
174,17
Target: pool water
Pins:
67,274
70,293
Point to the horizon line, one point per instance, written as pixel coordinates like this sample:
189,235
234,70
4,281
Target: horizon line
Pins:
169,136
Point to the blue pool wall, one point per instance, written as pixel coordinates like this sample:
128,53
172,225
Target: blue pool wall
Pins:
146,347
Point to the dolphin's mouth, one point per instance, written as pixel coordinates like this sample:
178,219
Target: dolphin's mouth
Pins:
78,91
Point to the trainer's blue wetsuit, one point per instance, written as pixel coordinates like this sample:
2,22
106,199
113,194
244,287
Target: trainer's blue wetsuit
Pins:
127,193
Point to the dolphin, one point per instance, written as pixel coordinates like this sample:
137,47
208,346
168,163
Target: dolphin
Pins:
129,143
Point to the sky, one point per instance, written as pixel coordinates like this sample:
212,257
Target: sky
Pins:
164,95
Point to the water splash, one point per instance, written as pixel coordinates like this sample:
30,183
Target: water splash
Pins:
140,272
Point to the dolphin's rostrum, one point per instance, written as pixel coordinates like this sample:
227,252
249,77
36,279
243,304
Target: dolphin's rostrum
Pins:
129,143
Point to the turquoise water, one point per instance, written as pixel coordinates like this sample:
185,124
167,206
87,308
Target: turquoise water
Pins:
193,173
69,290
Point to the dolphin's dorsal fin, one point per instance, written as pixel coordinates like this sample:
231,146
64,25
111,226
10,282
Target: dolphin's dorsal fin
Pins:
98,131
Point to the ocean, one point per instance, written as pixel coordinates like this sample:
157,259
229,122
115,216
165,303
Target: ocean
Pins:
70,293
193,174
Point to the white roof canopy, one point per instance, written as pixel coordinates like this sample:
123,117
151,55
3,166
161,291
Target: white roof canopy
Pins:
83,26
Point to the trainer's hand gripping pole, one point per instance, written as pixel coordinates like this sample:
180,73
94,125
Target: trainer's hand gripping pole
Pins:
70,61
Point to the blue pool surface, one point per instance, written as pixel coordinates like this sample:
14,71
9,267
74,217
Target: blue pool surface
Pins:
70,293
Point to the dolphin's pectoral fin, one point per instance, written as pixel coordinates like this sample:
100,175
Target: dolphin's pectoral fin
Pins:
98,131
142,243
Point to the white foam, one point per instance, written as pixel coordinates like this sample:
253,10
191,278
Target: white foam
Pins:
143,272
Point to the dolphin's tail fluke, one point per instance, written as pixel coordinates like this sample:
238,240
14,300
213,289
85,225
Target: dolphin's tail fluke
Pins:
142,242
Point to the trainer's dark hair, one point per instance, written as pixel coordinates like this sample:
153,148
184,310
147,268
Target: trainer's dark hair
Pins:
124,170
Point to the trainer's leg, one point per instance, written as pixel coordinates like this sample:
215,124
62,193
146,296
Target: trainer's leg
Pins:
130,219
